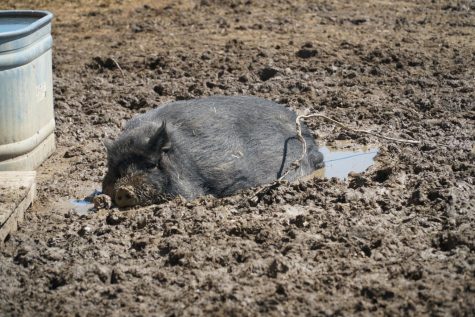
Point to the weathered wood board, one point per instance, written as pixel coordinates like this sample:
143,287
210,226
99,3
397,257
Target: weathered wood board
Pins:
17,191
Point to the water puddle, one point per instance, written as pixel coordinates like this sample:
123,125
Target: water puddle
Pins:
339,162
79,206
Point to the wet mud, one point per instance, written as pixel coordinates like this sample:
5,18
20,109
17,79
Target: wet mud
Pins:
396,239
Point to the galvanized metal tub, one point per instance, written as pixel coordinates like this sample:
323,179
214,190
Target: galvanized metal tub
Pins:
26,89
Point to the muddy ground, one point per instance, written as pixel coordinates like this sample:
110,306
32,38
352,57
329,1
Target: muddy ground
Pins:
396,240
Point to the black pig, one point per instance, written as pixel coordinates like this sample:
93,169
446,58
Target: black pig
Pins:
215,145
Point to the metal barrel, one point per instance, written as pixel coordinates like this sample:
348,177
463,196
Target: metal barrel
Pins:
26,89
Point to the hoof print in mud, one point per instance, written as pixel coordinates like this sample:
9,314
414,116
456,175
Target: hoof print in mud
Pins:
85,231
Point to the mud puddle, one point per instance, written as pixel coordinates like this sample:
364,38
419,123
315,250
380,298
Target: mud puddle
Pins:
79,206
339,162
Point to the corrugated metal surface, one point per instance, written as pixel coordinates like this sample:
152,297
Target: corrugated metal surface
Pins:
26,94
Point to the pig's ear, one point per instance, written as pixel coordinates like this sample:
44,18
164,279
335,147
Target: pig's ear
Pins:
160,140
108,144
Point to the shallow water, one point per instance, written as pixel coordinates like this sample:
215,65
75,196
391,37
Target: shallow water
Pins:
15,24
340,162
81,206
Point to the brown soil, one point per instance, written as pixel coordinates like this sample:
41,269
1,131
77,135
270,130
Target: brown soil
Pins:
396,240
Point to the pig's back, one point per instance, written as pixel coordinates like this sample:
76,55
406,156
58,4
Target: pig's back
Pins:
234,142
219,111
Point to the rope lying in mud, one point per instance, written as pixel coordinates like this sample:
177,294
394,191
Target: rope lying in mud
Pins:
299,130
296,164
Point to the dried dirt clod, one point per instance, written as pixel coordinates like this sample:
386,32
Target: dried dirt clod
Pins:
113,219
85,230
117,276
276,267
139,245
140,222
102,201
306,53
267,73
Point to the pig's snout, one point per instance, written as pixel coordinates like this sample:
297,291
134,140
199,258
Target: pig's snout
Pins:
125,197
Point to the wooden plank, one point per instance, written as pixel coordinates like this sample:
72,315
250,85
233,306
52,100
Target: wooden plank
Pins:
14,187
17,192
17,178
